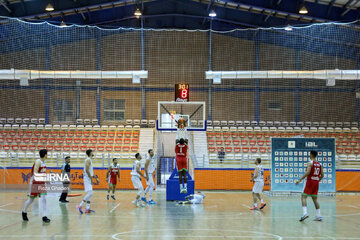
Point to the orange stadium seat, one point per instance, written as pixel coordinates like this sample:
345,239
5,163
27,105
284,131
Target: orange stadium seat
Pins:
259,135
237,149
109,148
136,134
127,134
283,134
93,140
228,149
20,133
209,134
103,134
126,148
266,135
83,148
274,134
357,136
111,134
127,141
219,142
357,150
75,148
95,133
85,140
79,133
102,140
117,148
118,140
57,148
135,141
60,140
236,142
344,143
110,141
250,135
217,134
338,143
119,134
39,147
92,147
87,133
244,142
4,133
212,149
227,142
211,142
77,140
268,142
349,135
354,143
70,133
134,148
100,148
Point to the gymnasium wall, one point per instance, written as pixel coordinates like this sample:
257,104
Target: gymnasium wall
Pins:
172,57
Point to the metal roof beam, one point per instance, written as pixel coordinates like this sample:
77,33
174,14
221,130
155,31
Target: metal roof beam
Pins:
2,2
349,6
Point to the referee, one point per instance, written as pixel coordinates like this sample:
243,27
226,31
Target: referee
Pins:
65,169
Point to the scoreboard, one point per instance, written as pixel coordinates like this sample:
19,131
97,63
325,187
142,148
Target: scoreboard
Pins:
289,160
182,92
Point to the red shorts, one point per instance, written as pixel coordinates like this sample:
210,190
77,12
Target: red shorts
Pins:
181,163
311,188
113,181
37,189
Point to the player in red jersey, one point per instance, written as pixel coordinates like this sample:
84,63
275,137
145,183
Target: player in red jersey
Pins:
181,161
37,185
314,174
114,170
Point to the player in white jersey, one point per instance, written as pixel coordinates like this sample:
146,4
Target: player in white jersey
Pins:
88,176
194,199
150,175
136,179
258,179
181,131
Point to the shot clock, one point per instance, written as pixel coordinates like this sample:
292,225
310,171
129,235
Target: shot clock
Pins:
182,92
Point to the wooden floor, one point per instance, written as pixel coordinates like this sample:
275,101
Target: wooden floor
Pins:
224,215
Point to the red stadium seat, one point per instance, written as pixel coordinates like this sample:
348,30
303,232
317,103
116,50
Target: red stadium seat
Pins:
344,143
324,135
4,133
79,133
268,142
290,134
211,142
87,133
236,142
226,135
103,134
77,140
254,149
75,148
49,147
17,139
219,142
117,148
118,140
111,134
68,140
110,141
43,140
37,133
9,139
100,148
340,135
268,150
266,135
259,135
135,141
51,140
70,133
348,150
339,150
92,147
83,148
85,140
20,133
66,147
245,149
102,140
227,142
261,142
126,148
357,136
2,139
28,133
127,141
57,148
250,134
45,133
244,142
127,134
274,134
283,134
93,140
349,135
15,147
234,135
109,148
134,148
12,133
315,135
228,149
237,149
23,147
212,149
262,149
354,143
338,143
54,133
332,135
242,134
119,134
62,133
6,147
60,140
209,134
252,142
136,134
95,133
217,134
39,147
32,147
357,150
34,140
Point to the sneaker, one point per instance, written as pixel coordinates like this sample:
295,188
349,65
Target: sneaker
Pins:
185,190
107,197
303,217
24,216
144,199
152,202
89,211
80,209
113,197
140,204
262,205
182,190
134,202
319,219
63,201
254,208
45,220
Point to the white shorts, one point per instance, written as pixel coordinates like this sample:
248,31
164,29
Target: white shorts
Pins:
258,187
151,180
87,184
136,182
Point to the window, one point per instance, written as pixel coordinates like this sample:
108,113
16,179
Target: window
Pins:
114,109
274,106
63,110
